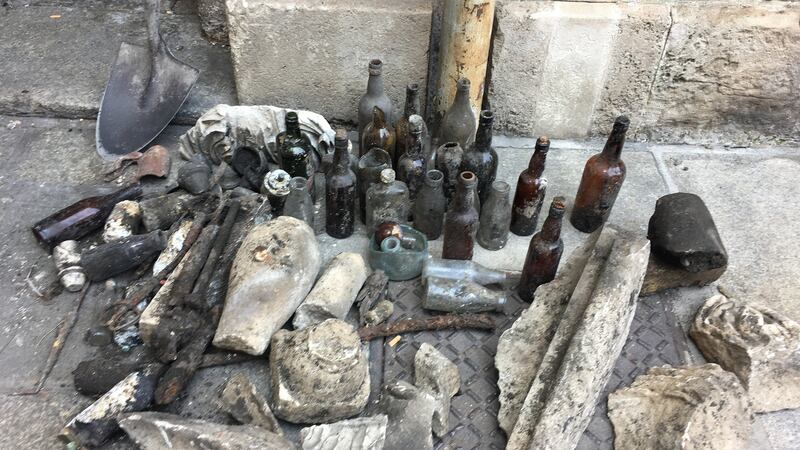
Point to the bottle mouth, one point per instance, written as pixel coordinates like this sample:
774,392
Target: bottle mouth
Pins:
412,87
487,115
341,137
375,67
543,142
391,244
463,84
387,176
434,177
468,178
622,122
558,206
299,183
291,117
501,187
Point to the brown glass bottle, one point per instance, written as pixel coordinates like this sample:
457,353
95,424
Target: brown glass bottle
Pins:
401,128
375,96
411,166
481,158
82,217
461,222
378,133
458,123
294,150
544,252
531,189
602,179
340,191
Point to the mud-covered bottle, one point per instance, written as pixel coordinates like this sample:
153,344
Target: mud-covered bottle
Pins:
295,150
481,158
602,179
461,222
340,191
461,296
411,167
448,161
106,260
387,201
378,133
544,252
495,217
370,166
82,217
430,206
375,96
458,123
531,189
299,203
401,128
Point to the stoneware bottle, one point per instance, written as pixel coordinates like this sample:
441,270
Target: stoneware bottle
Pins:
387,201
544,253
375,96
370,167
448,161
340,191
295,150
429,207
480,158
602,179
401,128
411,167
299,203
378,133
495,217
531,189
461,222
458,123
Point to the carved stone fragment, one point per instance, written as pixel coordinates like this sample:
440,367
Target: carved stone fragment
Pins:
364,433
699,407
760,345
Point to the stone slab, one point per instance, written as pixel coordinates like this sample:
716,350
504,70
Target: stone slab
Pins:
322,64
61,65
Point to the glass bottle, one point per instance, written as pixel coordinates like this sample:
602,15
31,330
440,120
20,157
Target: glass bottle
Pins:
461,221
370,167
387,201
495,217
602,179
294,150
411,166
461,296
375,96
455,269
298,203
448,161
277,185
340,191
378,133
544,252
429,208
106,260
82,217
481,158
458,124
531,189
401,128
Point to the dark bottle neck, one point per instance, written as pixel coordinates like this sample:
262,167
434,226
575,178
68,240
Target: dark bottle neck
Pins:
292,124
378,119
616,139
375,83
462,94
483,137
464,199
412,100
341,156
127,193
416,137
551,229
537,162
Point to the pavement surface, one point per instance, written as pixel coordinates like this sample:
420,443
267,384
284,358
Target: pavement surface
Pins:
56,70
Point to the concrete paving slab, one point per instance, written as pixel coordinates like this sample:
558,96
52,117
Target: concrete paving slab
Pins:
782,428
60,55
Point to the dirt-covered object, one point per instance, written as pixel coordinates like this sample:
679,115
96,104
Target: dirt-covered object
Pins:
363,433
124,221
159,213
410,411
246,405
439,376
67,258
112,258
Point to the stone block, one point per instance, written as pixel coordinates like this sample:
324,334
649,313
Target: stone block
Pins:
729,73
310,55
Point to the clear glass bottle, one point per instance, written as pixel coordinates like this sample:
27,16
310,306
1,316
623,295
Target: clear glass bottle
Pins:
378,133
481,158
461,296
411,166
295,150
495,217
458,123
298,203
448,161
461,222
455,269
544,253
340,191
531,189
430,206
401,128
370,167
375,96
387,201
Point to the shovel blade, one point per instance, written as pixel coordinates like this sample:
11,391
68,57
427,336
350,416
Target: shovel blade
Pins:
137,107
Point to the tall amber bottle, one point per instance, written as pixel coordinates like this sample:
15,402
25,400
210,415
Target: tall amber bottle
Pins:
401,128
531,189
375,96
481,158
340,191
461,222
458,123
82,217
378,133
602,179
544,252
411,166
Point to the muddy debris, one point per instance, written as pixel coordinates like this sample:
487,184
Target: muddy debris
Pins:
246,405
